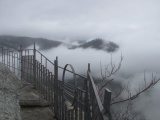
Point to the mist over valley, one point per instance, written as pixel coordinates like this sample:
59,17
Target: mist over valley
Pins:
132,70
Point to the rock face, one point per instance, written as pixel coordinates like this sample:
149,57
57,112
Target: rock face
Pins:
9,103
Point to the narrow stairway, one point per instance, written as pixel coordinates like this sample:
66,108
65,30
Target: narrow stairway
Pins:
33,106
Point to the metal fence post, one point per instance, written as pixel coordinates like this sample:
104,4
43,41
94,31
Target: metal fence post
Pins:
87,104
20,61
2,54
56,86
34,65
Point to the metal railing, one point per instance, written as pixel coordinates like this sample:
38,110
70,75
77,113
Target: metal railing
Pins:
11,58
68,100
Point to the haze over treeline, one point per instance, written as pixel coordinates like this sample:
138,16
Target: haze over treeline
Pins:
132,25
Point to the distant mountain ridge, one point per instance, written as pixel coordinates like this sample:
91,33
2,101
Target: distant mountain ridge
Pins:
15,41
100,44
45,44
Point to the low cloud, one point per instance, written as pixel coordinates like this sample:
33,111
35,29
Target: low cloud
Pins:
138,58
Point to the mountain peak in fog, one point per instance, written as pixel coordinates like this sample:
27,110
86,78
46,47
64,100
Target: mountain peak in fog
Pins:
45,44
100,44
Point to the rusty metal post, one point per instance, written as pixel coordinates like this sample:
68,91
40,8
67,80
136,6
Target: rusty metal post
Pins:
20,61
34,65
87,105
2,54
56,86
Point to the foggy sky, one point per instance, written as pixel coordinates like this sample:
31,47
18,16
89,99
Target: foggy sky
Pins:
133,25
65,20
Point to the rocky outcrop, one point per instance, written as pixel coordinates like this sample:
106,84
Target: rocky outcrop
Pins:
9,103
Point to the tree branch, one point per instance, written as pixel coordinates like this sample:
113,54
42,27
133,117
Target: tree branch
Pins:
152,83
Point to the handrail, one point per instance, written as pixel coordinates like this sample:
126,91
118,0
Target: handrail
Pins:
45,57
101,108
96,93
60,66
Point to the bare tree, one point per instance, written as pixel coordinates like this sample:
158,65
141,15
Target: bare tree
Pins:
129,112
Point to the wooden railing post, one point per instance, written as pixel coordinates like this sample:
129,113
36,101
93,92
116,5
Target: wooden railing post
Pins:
106,103
107,99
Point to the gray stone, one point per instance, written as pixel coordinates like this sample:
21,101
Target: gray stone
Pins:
29,96
9,103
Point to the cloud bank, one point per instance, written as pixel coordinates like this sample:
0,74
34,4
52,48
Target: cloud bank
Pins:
65,20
